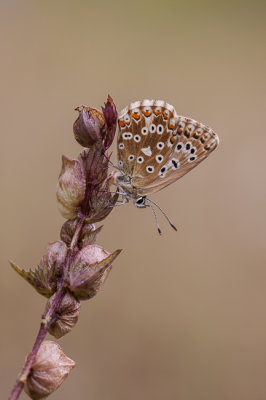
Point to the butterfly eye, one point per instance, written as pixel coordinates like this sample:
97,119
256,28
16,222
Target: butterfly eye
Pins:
159,158
152,128
120,163
137,138
160,145
160,129
121,146
150,169
131,157
140,160
140,201
144,130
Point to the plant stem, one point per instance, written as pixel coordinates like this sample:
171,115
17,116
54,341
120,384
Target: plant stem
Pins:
48,318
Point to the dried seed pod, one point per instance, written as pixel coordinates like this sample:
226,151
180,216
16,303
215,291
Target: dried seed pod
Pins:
89,127
110,115
71,187
50,368
89,271
67,315
68,230
44,278
88,234
54,255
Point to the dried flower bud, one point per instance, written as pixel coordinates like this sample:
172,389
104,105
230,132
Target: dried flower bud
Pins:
101,202
89,271
89,127
95,164
68,230
71,187
110,115
54,256
88,234
67,315
50,368
44,277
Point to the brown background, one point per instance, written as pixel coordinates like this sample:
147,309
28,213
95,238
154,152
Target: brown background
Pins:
182,316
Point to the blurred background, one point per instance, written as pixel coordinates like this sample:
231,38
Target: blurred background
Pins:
182,316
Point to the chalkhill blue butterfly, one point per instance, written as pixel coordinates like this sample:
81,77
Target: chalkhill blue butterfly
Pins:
156,146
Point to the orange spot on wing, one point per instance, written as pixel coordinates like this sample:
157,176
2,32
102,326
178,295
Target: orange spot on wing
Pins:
122,124
157,113
165,115
172,140
135,116
147,113
170,126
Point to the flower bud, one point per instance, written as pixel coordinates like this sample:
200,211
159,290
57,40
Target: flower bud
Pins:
68,230
71,187
88,234
89,271
89,127
110,115
67,315
44,278
54,256
50,368
90,255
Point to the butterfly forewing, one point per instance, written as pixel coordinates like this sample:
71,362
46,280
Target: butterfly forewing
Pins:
157,147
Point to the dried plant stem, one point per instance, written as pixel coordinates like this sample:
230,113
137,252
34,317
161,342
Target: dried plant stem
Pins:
54,277
48,318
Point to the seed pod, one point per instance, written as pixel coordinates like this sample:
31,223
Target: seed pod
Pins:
89,127
68,313
88,234
50,368
44,278
71,187
89,271
110,115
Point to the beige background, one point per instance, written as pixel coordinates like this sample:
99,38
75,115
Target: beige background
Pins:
182,316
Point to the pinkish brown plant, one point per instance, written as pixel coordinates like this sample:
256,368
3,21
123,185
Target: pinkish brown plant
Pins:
75,267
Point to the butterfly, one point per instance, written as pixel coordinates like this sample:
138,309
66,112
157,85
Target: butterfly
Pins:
156,146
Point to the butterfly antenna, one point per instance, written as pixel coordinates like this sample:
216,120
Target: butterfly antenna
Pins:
168,219
156,219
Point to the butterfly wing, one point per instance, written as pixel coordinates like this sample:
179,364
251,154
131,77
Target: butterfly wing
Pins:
156,146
